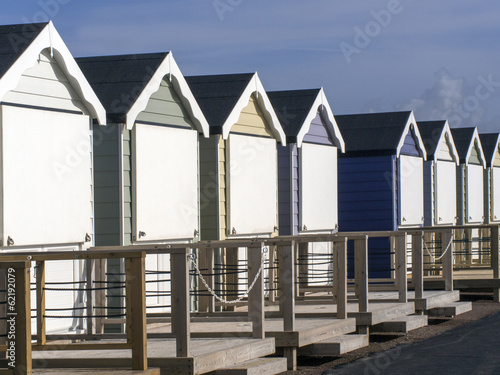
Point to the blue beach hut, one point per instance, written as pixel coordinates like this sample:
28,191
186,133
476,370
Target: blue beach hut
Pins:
380,179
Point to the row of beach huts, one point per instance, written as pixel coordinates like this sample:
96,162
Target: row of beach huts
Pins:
125,150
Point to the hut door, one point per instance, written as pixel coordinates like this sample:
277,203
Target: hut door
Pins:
318,187
411,177
495,192
445,192
47,176
252,184
166,182
475,203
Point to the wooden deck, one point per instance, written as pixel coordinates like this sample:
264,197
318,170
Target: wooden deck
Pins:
307,331
206,355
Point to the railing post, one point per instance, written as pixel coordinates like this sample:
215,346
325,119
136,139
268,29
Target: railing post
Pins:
206,261
41,338
286,295
417,264
180,301
256,295
340,277
401,268
287,285
448,260
90,295
495,259
303,262
231,282
135,292
100,294
361,272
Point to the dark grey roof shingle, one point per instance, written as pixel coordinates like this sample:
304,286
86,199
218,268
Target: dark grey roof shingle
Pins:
430,131
14,39
119,80
217,95
462,138
488,143
292,108
372,133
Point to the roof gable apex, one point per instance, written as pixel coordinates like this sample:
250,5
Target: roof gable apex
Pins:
48,37
412,127
475,143
254,86
322,106
169,67
490,143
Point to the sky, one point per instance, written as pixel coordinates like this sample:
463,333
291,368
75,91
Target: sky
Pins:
440,59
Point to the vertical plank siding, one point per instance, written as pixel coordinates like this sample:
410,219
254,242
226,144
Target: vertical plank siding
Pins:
429,206
107,185
127,187
208,188
284,190
288,186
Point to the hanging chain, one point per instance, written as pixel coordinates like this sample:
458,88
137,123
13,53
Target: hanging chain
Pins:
192,257
433,257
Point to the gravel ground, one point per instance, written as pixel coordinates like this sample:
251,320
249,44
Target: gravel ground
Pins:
482,306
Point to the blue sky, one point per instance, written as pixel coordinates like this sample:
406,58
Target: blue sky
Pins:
438,58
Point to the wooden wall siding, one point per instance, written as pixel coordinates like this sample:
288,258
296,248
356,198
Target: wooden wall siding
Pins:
429,204
252,121
208,188
445,151
288,190
127,187
222,188
165,107
474,156
367,192
496,160
461,194
488,195
494,193
45,85
107,186
318,132
410,146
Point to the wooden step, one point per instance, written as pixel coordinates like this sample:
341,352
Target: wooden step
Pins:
434,299
259,366
335,346
402,324
452,309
